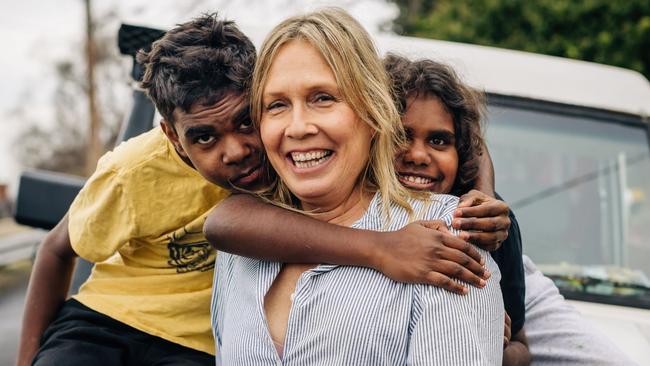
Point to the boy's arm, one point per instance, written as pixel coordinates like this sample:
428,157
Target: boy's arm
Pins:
421,252
48,288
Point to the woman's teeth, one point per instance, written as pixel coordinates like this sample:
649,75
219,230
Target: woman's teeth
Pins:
416,180
309,159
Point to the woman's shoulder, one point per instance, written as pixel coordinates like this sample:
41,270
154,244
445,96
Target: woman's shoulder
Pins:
435,198
433,206
427,206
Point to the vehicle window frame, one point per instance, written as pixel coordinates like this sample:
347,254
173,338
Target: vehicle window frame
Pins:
597,116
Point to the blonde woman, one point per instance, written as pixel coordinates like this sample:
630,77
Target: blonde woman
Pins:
321,100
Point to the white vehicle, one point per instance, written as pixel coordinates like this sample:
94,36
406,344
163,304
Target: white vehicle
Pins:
570,145
570,142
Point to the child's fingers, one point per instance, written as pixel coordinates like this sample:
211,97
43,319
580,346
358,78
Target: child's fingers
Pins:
489,241
461,245
469,200
444,282
489,224
460,262
434,224
485,209
473,198
507,331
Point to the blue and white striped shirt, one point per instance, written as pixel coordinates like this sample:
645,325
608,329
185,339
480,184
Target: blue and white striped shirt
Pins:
343,315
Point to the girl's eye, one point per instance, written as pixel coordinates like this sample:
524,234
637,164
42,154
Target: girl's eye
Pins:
437,141
204,139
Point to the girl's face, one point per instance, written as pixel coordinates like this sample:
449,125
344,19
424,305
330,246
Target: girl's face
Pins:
431,161
312,137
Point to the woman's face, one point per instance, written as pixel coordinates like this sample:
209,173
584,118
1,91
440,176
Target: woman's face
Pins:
431,161
312,137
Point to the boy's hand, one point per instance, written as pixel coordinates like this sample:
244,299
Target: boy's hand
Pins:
483,219
426,252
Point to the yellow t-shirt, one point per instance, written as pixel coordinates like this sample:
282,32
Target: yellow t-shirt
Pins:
140,219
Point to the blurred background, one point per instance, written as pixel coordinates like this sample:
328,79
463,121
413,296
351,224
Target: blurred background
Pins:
66,89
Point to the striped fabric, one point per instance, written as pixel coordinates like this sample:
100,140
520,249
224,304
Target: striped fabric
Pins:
344,315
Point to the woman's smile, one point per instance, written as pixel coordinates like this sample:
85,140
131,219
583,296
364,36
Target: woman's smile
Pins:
303,161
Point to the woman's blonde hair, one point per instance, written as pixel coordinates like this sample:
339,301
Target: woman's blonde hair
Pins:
362,80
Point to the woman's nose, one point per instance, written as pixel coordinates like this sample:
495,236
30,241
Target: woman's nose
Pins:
300,124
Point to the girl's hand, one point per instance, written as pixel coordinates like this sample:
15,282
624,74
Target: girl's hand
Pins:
507,331
426,252
483,219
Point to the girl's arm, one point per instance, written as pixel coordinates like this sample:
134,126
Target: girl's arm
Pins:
485,180
484,218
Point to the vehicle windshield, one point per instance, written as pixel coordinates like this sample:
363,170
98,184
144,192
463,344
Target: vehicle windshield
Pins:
580,189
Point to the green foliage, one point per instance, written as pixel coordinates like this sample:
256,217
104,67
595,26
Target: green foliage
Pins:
604,31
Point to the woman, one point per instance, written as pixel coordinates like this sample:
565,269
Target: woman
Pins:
321,99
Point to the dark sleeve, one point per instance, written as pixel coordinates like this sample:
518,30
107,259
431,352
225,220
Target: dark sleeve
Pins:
513,286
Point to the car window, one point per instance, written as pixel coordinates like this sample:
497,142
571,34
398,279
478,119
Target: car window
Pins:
580,188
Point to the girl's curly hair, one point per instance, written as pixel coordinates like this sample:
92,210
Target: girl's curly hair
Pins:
411,79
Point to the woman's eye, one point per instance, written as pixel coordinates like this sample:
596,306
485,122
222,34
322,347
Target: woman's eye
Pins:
274,106
320,98
204,139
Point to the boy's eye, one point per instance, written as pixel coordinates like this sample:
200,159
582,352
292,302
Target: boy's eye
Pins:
204,139
246,125
409,134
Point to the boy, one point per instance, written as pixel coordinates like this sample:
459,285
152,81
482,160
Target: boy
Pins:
139,217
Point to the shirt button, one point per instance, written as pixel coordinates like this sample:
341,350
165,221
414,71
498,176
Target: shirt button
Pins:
292,296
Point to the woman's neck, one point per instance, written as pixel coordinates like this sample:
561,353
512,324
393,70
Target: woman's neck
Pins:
344,212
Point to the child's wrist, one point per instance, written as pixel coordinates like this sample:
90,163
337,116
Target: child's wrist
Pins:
372,249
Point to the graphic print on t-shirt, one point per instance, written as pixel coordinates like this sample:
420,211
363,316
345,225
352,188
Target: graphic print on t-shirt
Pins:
189,250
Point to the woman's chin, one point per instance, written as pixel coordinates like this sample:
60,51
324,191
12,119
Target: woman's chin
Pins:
310,193
320,195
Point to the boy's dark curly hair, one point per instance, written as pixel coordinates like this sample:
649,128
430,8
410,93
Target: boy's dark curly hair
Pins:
411,79
201,60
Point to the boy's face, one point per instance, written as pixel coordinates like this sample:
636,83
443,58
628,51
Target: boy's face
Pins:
431,161
219,141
